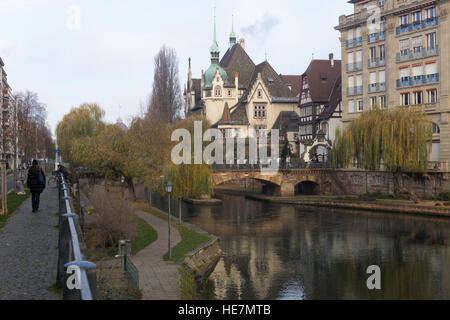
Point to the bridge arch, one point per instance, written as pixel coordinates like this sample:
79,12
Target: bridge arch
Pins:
307,187
271,184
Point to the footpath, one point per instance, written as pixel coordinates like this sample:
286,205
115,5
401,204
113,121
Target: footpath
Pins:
28,251
159,279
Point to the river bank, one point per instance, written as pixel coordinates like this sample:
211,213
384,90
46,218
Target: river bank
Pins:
423,208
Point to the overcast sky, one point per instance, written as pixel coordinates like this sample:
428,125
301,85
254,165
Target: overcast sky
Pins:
108,57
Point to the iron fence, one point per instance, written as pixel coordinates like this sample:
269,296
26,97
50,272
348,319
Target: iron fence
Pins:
70,254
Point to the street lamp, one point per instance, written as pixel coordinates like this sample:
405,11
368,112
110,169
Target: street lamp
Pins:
168,186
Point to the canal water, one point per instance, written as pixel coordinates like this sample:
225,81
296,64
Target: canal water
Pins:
273,251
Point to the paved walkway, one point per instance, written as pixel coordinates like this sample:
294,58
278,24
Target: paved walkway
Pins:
159,279
28,251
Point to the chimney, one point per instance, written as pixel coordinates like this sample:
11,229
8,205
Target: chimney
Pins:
242,43
236,83
332,60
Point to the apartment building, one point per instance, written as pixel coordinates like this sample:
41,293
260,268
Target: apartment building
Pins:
7,118
396,53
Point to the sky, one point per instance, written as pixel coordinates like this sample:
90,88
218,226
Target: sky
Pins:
75,51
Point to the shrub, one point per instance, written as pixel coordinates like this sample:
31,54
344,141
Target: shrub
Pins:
113,218
444,196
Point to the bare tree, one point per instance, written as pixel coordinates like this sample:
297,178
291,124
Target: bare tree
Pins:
166,102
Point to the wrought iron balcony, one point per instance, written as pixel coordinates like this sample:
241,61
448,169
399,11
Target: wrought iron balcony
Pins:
354,42
354,66
376,63
421,53
415,26
351,91
377,87
418,80
376,36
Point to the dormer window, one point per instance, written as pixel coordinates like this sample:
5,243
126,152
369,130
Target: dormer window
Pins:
218,92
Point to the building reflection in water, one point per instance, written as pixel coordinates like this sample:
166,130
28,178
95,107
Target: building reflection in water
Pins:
275,251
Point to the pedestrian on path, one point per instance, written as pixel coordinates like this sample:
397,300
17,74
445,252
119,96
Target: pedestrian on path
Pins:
36,184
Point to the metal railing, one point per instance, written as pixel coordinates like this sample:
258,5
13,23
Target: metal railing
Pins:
419,25
70,254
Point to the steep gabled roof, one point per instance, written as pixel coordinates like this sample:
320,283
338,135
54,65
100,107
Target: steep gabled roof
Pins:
272,80
295,82
334,100
236,60
321,78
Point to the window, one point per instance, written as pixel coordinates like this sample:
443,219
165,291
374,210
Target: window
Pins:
379,180
418,97
261,131
360,105
373,102
404,20
432,96
259,94
373,53
383,103
218,92
419,181
355,179
382,52
404,47
406,96
430,13
260,112
417,44
436,129
351,106
431,40
417,16
229,93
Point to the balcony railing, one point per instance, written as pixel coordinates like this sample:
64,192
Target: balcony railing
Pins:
354,42
418,80
377,87
428,23
354,66
351,91
376,36
422,53
376,63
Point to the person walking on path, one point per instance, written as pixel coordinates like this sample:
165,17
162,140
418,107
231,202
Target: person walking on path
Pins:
36,184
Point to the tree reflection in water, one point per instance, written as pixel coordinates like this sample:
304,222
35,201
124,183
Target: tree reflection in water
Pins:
275,251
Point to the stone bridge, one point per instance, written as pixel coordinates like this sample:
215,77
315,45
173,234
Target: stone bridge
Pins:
286,182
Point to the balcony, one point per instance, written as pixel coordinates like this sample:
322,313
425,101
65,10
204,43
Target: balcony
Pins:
373,63
377,87
418,80
354,42
378,36
422,53
415,26
354,66
352,91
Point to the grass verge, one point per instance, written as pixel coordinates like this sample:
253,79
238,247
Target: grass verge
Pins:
190,238
145,236
14,202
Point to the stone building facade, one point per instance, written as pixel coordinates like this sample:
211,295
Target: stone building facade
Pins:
236,95
7,118
395,53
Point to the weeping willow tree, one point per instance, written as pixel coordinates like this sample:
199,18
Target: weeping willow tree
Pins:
397,139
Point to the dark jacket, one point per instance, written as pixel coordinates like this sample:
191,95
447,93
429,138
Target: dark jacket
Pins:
33,182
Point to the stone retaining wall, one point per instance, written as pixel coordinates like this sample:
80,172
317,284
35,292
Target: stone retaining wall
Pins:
196,269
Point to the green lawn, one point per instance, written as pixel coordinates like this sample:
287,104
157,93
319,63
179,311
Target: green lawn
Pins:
145,236
14,201
191,239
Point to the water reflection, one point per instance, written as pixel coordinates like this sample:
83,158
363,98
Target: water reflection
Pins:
285,252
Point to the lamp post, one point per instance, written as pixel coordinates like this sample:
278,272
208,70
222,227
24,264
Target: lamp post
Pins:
168,186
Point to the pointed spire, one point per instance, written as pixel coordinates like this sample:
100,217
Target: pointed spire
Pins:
215,51
233,37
